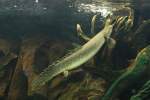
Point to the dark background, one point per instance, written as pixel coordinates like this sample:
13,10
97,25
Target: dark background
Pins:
52,17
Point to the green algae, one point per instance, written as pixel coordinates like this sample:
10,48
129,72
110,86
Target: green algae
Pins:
132,75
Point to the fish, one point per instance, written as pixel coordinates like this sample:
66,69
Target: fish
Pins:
120,24
76,59
129,24
81,33
93,24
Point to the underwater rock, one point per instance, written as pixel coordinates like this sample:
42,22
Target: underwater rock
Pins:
74,88
5,46
24,74
7,51
8,58
5,79
35,54
17,88
3,86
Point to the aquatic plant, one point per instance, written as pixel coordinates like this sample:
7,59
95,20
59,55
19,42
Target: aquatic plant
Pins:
143,93
132,75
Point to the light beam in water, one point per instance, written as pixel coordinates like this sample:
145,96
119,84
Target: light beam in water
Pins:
103,10
37,1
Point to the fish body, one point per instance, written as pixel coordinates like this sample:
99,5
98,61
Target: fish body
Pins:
76,59
132,75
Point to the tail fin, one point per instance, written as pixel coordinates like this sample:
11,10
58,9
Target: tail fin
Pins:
44,77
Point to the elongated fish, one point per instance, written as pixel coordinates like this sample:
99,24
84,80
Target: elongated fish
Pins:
76,59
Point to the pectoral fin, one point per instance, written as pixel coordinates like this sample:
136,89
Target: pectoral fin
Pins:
93,24
66,73
76,45
110,42
110,45
81,33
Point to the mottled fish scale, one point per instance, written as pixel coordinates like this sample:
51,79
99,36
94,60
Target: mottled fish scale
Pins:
76,59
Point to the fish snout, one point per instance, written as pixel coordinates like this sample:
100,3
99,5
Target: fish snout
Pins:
123,23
